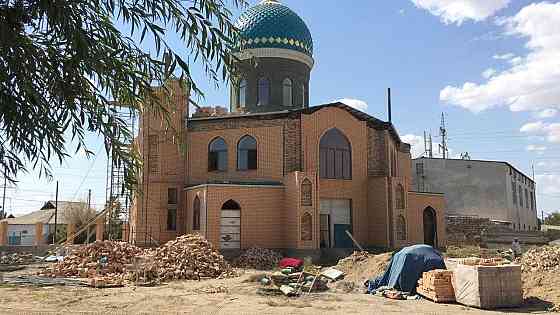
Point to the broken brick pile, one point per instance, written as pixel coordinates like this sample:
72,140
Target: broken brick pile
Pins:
16,258
538,259
102,258
189,257
258,258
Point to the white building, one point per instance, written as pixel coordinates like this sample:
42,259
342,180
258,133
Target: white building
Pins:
21,230
485,189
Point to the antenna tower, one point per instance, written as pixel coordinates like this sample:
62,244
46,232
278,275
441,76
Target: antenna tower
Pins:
443,134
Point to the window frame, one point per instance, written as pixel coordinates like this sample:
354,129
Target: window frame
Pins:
263,84
217,152
249,153
287,87
329,166
242,93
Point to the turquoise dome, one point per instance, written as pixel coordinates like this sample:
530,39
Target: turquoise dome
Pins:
271,24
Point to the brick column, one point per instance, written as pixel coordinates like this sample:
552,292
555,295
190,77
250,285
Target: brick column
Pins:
99,229
39,239
70,230
125,231
3,233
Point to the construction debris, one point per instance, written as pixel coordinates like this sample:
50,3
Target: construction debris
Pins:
437,286
546,258
295,281
98,259
189,257
16,258
474,261
258,258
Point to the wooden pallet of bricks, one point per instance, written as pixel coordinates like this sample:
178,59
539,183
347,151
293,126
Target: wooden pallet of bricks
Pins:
437,285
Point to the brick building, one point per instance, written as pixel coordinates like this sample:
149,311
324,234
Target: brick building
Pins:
274,172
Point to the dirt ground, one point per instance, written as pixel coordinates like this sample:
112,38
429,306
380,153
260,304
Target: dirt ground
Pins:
218,296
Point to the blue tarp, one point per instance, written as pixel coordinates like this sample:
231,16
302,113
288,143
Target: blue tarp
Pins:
406,267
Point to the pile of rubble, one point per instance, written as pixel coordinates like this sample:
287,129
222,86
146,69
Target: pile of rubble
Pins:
189,257
105,258
16,258
293,281
258,258
546,258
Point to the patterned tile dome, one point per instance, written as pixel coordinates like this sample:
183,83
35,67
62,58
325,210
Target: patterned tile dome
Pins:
271,24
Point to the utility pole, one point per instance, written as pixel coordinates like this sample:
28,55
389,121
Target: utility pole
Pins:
88,210
55,213
443,134
2,213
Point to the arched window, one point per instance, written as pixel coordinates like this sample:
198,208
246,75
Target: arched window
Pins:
196,214
231,205
401,228
287,92
335,156
247,153
306,227
263,97
242,97
306,193
217,155
399,196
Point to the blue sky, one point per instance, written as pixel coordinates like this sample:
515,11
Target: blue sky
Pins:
492,66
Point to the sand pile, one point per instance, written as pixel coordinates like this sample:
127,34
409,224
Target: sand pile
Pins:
361,266
258,258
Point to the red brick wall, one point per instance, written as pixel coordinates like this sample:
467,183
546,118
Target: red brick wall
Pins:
417,203
149,210
262,218
269,159
314,126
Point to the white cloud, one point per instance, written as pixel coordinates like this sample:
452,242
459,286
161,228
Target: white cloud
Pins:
357,104
533,127
507,56
531,82
488,73
548,184
417,146
550,130
536,148
458,11
547,113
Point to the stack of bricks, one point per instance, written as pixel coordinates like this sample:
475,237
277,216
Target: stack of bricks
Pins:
437,285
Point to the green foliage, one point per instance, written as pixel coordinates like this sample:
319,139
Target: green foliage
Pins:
64,66
552,219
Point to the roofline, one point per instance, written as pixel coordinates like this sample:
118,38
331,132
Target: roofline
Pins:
426,193
233,185
485,161
372,121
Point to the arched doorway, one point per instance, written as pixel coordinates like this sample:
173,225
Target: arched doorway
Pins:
230,225
430,226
